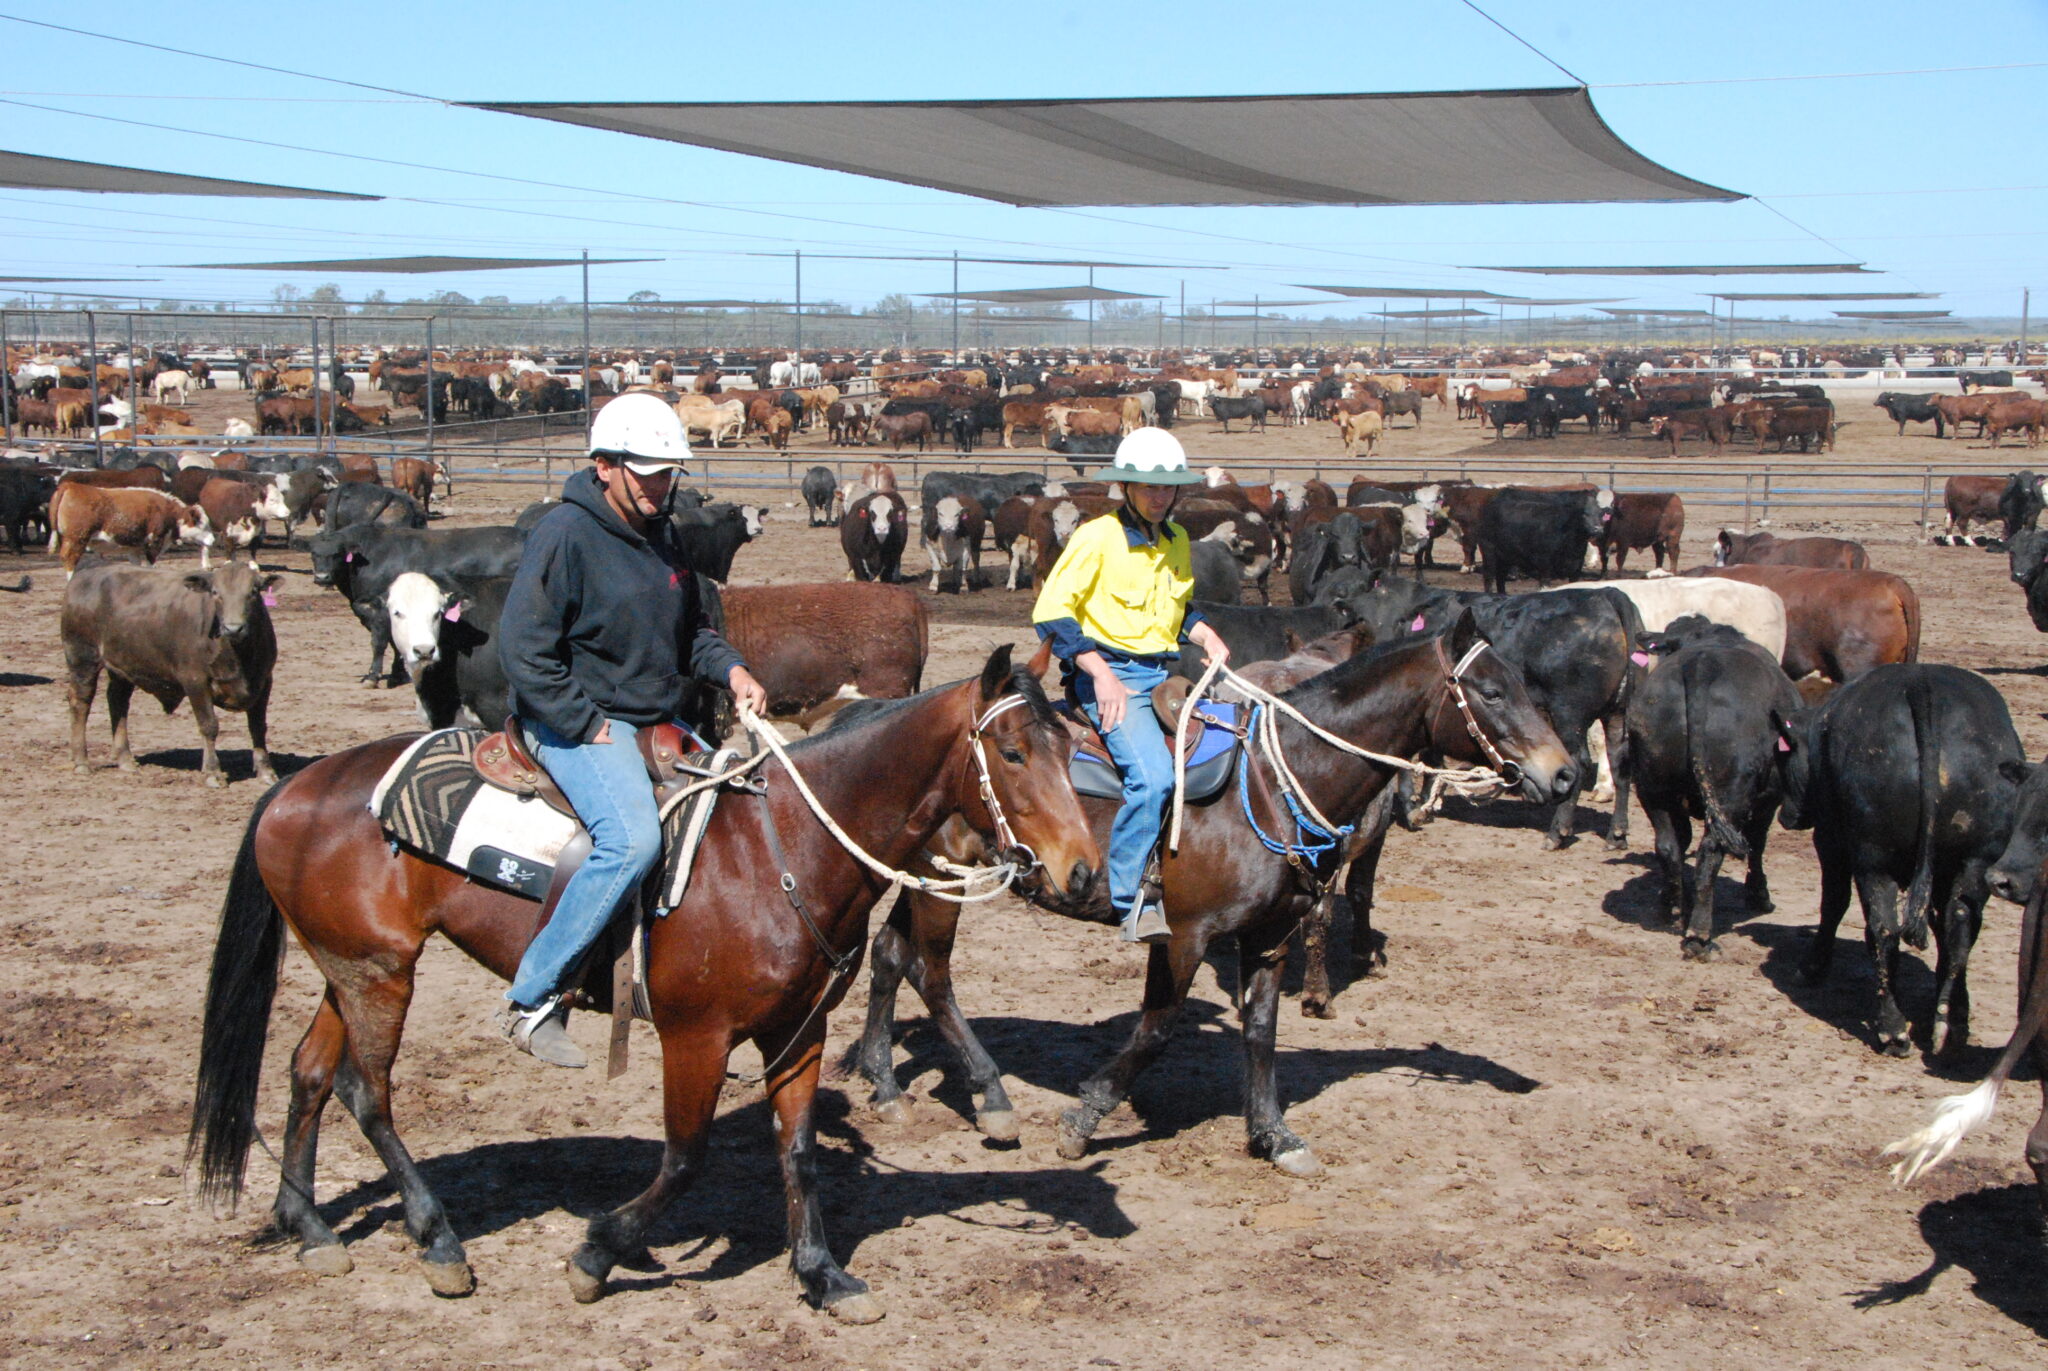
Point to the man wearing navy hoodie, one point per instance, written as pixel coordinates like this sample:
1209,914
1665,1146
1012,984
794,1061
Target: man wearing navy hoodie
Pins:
602,632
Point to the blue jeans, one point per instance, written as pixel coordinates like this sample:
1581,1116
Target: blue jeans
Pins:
607,785
1144,756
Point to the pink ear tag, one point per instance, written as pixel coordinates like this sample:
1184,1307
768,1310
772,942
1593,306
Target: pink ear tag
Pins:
1783,746
453,614
1639,658
1418,625
348,556
270,599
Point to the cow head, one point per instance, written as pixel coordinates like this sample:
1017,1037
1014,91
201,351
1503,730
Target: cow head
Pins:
1347,540
1798,738
331,550
947,517
2017,873
194,527
418,606
1599,513
1417,528
882,513
240,597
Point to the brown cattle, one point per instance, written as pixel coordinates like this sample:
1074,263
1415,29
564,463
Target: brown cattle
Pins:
235,511
1766,549
878,476
1440,387
1976,408
1359,428
1839,623
1022,414
898,429
1646,519
203,636
415,476
1083,423
287,414
375,416
777,429
1690,423
846,423
146,520
360,466
144,477
300,380
167,414
1804,422
2010,412
1968,499
73,409
817,647
31,415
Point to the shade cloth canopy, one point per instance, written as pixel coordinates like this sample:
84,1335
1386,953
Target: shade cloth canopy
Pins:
30,171
1657,313
1409,292
1778,269
998,261
1826,295
1894,315
415,265
1535,146
1432,314
1037,295
1271,304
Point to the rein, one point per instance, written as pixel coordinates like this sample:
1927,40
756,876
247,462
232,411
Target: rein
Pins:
1264,731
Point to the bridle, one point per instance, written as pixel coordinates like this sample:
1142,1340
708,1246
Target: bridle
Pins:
1006,837
1454,691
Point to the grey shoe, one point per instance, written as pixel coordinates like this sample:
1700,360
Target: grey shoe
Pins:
542,1032
1148,925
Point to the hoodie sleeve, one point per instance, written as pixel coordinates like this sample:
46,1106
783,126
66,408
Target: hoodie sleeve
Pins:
539,607
709,652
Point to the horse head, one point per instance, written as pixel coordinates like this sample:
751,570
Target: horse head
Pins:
1025,798
1484,715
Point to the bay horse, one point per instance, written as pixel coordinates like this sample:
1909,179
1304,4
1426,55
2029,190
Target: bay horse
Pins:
1398,700
762,947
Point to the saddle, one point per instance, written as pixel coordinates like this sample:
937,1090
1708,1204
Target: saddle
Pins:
1214,736
502,760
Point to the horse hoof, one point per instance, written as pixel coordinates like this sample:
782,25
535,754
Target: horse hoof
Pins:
586,1286
895,1111
1702,952
859,1308
1070,1142
449,1280
1316,1009
213,780
329,1259
1760,901
1618,843
1899,1046
1298,1162
1551,842
997,1125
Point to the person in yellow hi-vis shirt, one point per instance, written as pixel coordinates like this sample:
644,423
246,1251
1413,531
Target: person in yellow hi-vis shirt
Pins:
1116,610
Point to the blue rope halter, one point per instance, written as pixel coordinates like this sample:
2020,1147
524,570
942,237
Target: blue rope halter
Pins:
1319,840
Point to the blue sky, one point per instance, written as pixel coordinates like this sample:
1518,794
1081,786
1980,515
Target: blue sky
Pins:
1930,177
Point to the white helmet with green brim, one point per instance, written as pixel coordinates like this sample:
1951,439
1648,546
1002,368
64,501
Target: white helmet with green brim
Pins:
1151,456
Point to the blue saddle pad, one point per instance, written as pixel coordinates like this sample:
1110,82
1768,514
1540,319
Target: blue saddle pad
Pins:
1209,764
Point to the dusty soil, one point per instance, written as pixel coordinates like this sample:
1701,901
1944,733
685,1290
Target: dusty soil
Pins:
1549,1141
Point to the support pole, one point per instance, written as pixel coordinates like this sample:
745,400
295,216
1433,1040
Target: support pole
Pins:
134,400
92,366
427,401
586,347
319,427
1183,318
956,307
2026,307
799,306
6,393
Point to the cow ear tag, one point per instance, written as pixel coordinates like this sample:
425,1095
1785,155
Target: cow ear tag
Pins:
1783,746
1639,658
1417,626
270,599
453,614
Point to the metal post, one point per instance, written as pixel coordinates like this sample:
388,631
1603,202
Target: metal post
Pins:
956,307
2026,306
6,398
1183,319
92,365
1926,498
586,348
319,428
427,402
799,305
134,400
1255,329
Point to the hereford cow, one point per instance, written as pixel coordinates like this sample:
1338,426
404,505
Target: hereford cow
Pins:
816,647
361,561
1906,777
950,534
873,533
146,520
235,511
203,636
444,632
1767,549
1839,623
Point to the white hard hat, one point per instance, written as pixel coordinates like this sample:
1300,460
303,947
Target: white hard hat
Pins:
641,431
1150,456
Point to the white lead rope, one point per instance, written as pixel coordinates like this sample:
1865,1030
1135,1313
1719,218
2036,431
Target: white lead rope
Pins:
1474,780
957,888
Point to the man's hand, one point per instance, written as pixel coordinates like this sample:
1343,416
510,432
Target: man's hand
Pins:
1211,642
747,690
604,732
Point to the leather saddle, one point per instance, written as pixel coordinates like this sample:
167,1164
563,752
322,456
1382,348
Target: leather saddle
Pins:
1214,735
502,760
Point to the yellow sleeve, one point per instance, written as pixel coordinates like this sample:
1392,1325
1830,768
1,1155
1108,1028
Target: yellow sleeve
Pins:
1072,579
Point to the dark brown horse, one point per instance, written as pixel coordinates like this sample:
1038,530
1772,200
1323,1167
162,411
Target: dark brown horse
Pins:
733,963
1396,701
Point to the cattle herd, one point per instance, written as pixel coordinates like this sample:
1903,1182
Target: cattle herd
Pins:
1778,683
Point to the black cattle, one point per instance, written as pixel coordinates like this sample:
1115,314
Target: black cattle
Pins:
1570,402
1219,576
2020,503
1702,739
1082,445
1322,549
1247,407
711,536
1258,633
362,560
1399,402
989,487
2025,556
465,673
1542,534
302,491
1165,402
474,395
1984,380
1915,409
1536,416
819,487
359,502
24,502
873,533
1906,777
964,429
533,514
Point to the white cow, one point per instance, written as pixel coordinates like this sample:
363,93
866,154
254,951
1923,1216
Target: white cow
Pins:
168,384
810,374
782,374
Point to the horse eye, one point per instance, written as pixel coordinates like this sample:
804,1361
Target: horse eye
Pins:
1013,756
1491,695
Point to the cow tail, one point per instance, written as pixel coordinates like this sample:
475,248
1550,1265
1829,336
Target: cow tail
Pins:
1913,910
56,496
246,957
1956,1115
1909,610
1720,830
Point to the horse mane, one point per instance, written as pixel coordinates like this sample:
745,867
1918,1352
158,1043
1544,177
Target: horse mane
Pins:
861,712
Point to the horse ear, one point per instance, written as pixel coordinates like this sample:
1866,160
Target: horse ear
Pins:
995,676
1463,634
1041,660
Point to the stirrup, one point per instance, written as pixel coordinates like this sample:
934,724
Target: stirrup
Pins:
540,1032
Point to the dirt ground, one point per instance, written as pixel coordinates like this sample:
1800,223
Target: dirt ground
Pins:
1549,1141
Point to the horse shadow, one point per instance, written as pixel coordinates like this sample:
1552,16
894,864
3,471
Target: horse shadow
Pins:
493,1187
1200,1076
23,678
2040,669
238,763
1995,1235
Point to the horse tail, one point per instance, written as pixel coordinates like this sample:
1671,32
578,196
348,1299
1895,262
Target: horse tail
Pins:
1913,910
1956,1115
1909,610
246,958
1721,831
